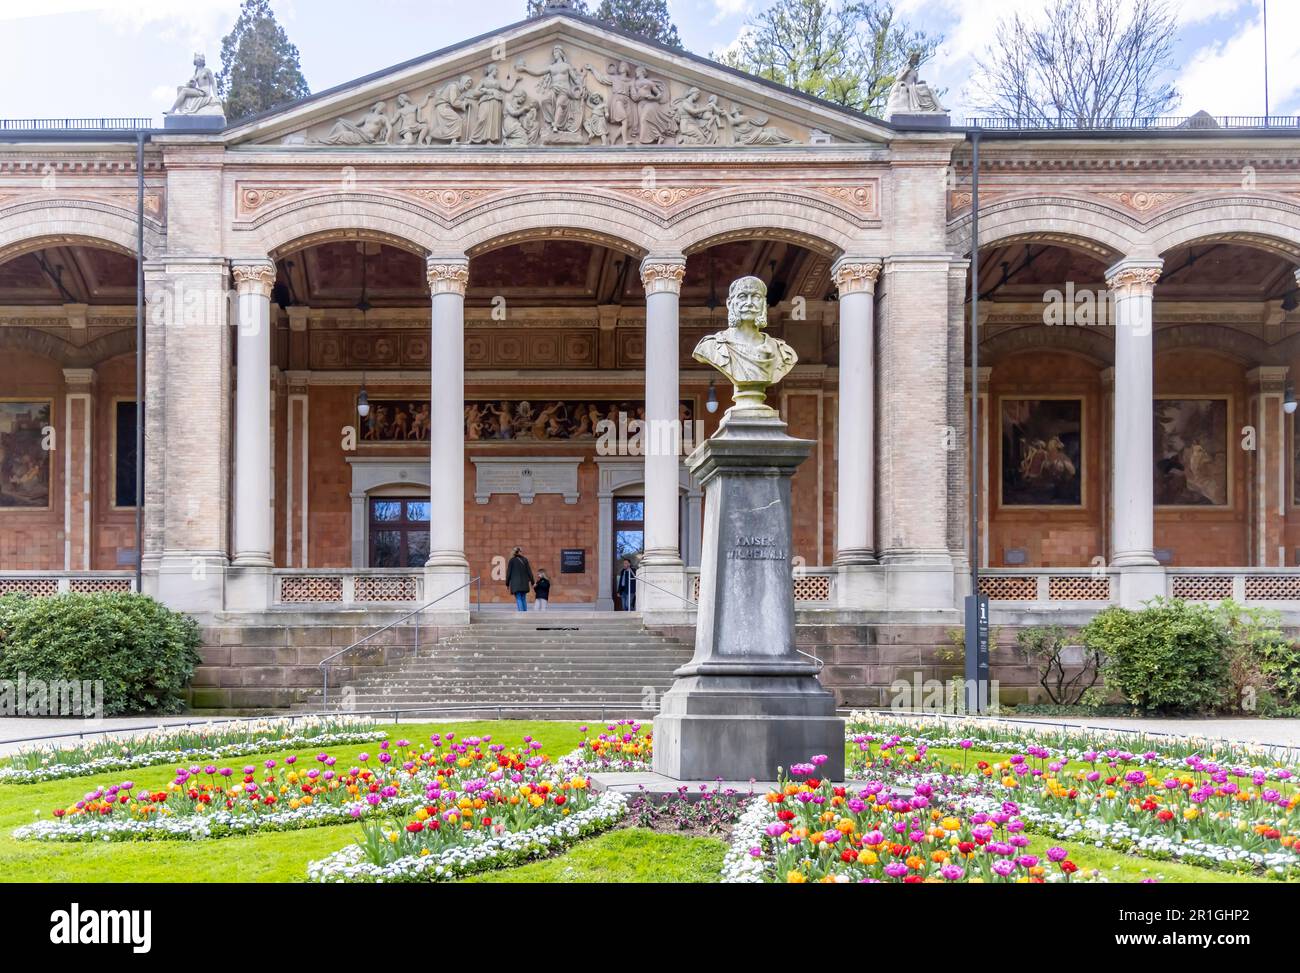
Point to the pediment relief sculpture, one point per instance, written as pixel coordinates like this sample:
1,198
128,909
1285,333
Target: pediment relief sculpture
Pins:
555,96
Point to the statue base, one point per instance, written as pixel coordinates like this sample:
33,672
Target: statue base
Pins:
748,702
194,123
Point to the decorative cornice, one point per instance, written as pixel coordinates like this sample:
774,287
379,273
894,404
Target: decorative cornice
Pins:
856,275
663,275
253,276
448,275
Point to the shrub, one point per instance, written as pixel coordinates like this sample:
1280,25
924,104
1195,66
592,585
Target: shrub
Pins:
1044,647
1265,664
143,652
1169,657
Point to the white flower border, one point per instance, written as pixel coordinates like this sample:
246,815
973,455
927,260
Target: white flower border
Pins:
738,865
217,824
510,848
18,775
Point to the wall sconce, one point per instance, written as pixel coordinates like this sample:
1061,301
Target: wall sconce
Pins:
711,403
1288,398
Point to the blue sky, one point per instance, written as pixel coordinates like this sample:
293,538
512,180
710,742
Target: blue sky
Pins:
124,57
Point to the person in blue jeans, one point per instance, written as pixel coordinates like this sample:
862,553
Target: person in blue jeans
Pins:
519,579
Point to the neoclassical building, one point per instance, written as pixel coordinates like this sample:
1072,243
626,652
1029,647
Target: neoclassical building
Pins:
401,326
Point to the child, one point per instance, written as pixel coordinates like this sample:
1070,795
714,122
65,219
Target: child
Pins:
541,590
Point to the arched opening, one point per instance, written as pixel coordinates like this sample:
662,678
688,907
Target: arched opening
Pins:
68,485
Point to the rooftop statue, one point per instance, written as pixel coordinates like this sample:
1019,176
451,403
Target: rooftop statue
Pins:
199,95
752,360
910,95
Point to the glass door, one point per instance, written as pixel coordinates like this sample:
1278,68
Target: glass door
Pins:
399,532
629,533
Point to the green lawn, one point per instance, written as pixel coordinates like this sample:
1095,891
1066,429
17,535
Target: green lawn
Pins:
624,855
274,857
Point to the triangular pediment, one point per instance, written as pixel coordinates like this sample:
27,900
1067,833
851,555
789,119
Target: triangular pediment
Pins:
557,80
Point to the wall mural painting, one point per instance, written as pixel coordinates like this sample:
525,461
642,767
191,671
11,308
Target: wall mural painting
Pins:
24,460
1191,452
1042,452
402,420
548,97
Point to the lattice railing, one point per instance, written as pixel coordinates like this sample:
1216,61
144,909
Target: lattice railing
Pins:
46,584
337,587
1200,587
1273,587
810,584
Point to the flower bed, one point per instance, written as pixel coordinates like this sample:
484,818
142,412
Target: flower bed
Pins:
938,732
1232,818
211,801
813,831
172,744
624,746
459,836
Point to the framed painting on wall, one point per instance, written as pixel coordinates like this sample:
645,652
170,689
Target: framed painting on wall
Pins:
1192,460
24,460
1042,452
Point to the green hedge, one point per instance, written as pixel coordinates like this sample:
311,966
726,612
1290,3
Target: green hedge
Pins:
143,652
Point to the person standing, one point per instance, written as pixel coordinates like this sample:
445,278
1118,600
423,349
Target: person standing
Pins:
627,586
542,590
519,578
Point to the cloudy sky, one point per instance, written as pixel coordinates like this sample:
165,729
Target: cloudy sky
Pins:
91,58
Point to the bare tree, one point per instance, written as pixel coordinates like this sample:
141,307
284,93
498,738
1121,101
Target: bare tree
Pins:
1083,63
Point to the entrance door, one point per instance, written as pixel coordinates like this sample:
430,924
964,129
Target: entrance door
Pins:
399,532
629,532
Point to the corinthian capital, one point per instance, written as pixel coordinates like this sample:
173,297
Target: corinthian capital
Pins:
253,276
663,275
448,275
1134,278
856,275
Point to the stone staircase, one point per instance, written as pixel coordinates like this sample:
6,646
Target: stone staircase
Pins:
583,664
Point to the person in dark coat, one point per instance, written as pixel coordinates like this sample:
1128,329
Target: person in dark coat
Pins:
542,590
519,579
627,586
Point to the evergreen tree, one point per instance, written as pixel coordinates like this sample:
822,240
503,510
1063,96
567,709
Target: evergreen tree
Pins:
259,67
649,18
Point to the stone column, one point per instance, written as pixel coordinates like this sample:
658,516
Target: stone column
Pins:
192,306
912,508
1132,283
252,517
447,568
1269,463
855,488
661,564
150,547
76,447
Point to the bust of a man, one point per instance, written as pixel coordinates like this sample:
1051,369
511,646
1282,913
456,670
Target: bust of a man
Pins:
750,358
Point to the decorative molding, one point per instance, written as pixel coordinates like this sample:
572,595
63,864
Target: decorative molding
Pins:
1134,277
253,276
1141,201
666,197
855,276
526,477
663,275
448,276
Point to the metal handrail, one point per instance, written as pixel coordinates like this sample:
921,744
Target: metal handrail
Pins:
323,665
695,606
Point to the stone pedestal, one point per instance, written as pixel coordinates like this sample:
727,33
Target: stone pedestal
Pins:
747,702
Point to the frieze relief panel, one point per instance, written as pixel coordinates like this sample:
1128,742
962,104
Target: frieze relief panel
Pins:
562,94
497,348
